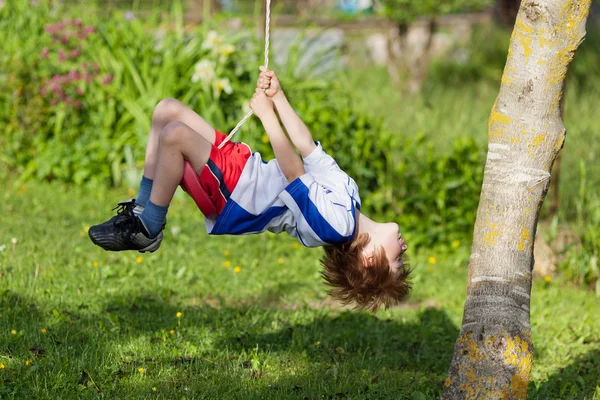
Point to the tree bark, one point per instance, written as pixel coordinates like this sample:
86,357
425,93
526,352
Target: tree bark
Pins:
494,352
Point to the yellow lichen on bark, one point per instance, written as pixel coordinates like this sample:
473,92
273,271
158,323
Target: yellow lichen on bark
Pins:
536,143
523,34
498,122
525,238
518,355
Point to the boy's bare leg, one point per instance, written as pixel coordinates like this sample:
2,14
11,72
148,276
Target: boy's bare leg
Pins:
167,111
177,142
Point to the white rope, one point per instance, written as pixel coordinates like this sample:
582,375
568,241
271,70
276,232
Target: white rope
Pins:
266,64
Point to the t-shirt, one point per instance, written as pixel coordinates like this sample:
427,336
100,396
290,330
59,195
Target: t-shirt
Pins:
318,208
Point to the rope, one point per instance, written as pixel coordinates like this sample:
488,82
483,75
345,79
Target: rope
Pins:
266,64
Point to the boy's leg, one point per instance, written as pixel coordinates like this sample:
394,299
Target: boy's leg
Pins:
178,142
167,111
128,231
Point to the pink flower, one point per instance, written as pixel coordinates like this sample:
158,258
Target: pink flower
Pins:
61,55
43,91
53,102
45,52
89,29
74,54
107,79
52,29
76,22
56,79
64,39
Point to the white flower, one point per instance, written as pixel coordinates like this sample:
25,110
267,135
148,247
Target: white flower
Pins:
226,50
175,230
14,240
204,71
222,85
211,41
3,247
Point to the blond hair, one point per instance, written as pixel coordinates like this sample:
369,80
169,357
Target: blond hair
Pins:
370,284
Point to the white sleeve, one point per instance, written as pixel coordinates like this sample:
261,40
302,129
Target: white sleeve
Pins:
323,217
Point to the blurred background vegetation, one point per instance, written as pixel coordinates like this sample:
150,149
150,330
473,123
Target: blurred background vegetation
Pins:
399,91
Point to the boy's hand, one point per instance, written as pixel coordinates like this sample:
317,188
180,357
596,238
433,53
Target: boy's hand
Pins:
268,81
260,104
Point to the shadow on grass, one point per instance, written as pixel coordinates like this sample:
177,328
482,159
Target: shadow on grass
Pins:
578,380
245,352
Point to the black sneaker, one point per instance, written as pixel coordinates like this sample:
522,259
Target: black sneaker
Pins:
125,231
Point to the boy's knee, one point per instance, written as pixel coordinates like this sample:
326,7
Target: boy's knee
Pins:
167,110
172,134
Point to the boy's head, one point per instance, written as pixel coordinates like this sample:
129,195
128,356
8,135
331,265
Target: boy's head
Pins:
369,270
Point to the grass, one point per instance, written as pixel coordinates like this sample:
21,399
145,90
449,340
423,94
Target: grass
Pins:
111,325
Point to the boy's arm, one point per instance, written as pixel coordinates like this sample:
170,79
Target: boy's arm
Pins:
291,165
296,128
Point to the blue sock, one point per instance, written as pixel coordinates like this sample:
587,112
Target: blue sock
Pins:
145,190
153,217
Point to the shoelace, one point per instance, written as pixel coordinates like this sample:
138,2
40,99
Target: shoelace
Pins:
125,221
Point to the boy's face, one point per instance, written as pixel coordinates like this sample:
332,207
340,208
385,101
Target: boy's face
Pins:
388,236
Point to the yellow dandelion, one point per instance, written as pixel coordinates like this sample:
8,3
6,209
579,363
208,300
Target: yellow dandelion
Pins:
296,245
227,264
140,369
95,264
44,331
172,331
227,253
237,269
14,332
265,139
547,278
455,244
139,259
154,389
179,314
2,366
27,362
280,260
131,192
86,229
432,260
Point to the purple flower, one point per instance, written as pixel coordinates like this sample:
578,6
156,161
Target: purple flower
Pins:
45,52
129,16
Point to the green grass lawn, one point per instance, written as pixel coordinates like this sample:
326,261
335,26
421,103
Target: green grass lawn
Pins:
78,322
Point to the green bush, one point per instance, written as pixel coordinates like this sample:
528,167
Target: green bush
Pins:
405,11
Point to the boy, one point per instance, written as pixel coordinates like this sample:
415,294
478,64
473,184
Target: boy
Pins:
311,198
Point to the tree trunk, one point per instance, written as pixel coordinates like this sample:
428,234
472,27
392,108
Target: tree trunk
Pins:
494,352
